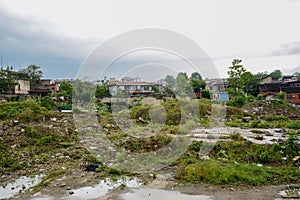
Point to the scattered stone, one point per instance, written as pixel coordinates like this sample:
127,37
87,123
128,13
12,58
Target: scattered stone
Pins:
71,192
68,188
259,137
22,130
63,184
54,119
91,167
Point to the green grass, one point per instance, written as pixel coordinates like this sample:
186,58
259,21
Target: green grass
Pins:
236,162
24,111
217,172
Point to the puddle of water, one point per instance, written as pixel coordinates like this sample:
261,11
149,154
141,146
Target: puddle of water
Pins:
154,194
21,184
101,189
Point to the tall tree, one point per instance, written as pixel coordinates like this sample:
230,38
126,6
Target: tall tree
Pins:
276,74
102,90
7,82
251,83
34,73
183,88
170,84
235,84
196,75
196,82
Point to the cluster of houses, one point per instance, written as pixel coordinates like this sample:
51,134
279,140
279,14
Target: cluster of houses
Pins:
268,88
22,89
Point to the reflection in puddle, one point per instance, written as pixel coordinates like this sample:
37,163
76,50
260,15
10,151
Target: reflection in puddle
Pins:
20,184
101,189
154,194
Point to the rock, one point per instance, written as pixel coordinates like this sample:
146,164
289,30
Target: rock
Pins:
68,188
63,184
16,122
142,120
91,167
54,119
259,137
71,192
22,130
246,119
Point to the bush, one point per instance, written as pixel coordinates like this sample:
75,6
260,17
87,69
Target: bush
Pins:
47,102
259,97
294,124
26,110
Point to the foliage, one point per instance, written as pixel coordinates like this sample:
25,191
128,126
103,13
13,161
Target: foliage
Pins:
102,90
25,111
170,84
236,162
196,82
6,80
259,97
34,73
290,145
47,102
205,94
235,84
294,124
183,87
276,74
250,83
281,96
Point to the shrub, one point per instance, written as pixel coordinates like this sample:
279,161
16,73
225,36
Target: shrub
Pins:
294,124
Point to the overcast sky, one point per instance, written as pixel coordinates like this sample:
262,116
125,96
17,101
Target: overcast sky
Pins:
59,34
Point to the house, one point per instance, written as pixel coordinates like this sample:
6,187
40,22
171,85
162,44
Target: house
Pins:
22,87
270,90
290,87
131,86
217,88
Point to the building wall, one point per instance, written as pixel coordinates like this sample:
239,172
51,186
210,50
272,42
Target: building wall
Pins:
293,98
22,87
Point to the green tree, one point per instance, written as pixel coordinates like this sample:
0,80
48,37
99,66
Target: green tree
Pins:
170,84
196,82
102,90
261,75
34,73
196,75
297,75
183,87
235,84
276,74
7,82
251,83
66,88
205,94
